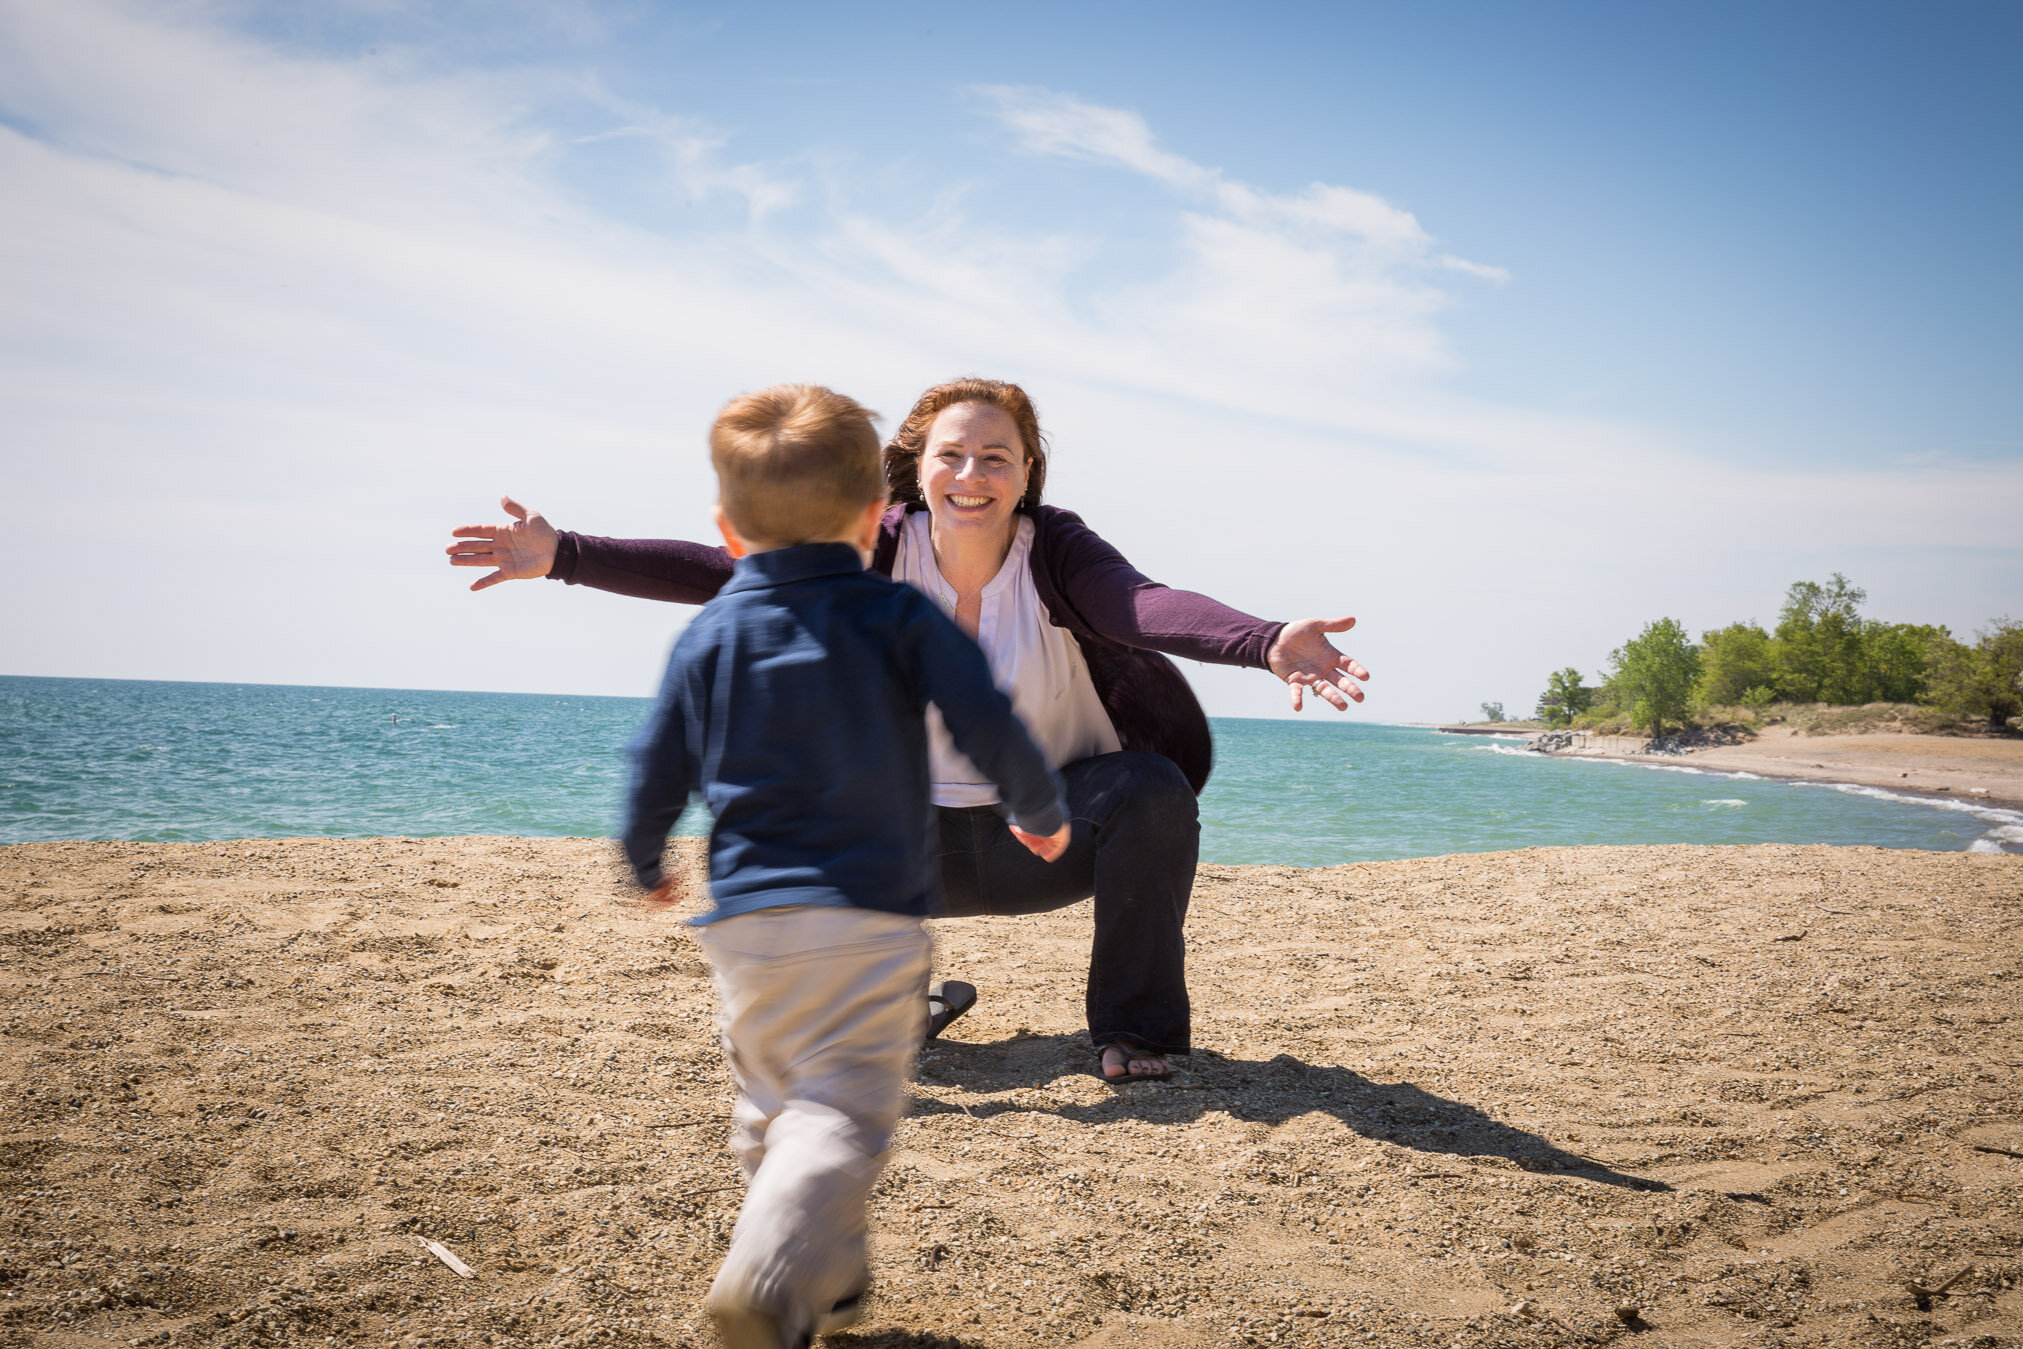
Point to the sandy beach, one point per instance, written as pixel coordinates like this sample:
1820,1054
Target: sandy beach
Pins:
1986,771
1756,1094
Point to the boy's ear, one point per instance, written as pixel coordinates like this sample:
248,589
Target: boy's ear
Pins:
735,544
867,526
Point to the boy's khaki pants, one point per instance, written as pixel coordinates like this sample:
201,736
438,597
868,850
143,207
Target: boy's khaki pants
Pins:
823,1011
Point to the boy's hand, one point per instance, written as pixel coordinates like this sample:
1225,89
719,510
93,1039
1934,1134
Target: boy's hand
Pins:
1046,847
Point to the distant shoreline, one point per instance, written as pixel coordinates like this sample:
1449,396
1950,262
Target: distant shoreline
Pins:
1945,768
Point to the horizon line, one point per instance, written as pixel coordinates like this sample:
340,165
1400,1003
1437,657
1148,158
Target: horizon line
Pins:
541,693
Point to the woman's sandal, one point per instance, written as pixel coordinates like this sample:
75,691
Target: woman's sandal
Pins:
946,1001
1127,1077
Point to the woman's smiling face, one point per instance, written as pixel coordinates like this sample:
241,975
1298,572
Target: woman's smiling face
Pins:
973,470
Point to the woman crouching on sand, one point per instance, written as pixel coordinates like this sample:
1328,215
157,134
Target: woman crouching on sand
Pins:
1074,635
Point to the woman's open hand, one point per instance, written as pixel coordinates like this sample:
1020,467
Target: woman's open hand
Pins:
1305,659
523,549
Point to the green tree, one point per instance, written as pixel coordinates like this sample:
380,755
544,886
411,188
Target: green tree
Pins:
2003,648
1492,711
1819,639
1564,698
1653,674
1734,660
1983,680
1895,658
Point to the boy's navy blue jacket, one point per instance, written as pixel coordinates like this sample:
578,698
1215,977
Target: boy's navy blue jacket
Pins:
796,702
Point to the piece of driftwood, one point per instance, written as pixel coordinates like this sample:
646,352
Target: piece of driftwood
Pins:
1920,1292
712,1189
448,1257
1999,1152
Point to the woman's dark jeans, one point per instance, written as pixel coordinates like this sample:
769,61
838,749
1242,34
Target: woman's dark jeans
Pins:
1135,840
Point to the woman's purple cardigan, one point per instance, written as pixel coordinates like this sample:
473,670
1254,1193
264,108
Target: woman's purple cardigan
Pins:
1121,619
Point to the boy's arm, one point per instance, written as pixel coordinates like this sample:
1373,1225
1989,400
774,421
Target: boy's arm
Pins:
661,778
956,678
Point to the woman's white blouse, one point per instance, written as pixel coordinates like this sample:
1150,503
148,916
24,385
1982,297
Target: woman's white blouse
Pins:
1037,665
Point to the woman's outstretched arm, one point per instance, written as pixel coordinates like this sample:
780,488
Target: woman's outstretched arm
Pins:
1121,603
654,569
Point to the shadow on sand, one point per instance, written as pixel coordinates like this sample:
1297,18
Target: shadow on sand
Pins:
1265,1092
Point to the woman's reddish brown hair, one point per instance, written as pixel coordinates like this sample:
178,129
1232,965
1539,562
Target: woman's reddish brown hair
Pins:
902,452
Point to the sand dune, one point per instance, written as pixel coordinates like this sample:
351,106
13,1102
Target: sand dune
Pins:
1754,1093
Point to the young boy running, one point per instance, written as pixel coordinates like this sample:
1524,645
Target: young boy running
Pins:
796,703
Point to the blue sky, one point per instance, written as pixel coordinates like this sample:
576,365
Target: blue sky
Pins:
1505,328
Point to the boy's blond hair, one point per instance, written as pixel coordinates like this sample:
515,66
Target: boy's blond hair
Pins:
796,463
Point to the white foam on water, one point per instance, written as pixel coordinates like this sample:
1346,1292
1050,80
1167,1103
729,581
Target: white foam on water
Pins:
2002,838
1733,775
1724,801
2006,836
1975,808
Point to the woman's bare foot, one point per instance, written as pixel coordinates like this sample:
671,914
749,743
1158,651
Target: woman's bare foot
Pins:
1121,1063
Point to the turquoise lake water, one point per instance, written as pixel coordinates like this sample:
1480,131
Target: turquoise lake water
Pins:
129,759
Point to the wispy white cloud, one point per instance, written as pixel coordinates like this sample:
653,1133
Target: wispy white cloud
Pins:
390,139
1048,122
1051,123
693,150
1278,301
